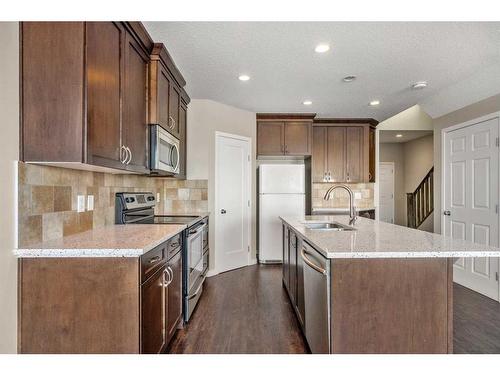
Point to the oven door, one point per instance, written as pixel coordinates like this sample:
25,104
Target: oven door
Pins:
196,267
164,151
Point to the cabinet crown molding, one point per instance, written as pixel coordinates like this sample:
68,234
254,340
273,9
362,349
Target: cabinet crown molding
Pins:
286,116
370,121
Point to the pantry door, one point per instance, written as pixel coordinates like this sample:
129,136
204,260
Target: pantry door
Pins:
233,181
471,197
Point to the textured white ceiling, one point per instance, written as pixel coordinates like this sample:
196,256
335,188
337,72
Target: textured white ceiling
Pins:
387,57
389,136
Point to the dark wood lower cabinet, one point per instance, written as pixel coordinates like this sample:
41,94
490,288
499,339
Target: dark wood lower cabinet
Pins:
154,307
286,262
101,305
174,296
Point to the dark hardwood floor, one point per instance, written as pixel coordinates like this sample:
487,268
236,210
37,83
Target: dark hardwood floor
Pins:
476,322
247,311
242,311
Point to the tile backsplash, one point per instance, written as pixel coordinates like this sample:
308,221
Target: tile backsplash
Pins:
340,198
48,199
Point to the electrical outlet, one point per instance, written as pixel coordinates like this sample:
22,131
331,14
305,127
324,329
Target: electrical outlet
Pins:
80,203
90,203
357,195
158,195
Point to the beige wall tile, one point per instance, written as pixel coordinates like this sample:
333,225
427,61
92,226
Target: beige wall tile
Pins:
195,194
52,226
31,232
62,198
42,199
183,194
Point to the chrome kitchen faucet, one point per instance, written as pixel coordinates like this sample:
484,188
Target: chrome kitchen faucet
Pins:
352,209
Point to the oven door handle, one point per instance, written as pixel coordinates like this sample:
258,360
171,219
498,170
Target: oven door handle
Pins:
191,296
198,229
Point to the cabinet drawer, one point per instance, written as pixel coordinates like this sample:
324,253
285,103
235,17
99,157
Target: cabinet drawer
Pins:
152,260
173,245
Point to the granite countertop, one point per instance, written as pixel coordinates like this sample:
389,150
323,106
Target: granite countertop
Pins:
131,240
376,239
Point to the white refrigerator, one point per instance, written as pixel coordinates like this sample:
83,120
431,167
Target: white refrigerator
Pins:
281,193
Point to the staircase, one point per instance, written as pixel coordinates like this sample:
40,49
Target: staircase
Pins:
420,203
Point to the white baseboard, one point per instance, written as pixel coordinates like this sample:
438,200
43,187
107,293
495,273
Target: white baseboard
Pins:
252,261
211,273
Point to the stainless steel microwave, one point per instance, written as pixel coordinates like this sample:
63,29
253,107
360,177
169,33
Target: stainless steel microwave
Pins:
164,151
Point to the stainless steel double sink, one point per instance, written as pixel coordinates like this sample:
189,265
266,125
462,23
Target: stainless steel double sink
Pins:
333,225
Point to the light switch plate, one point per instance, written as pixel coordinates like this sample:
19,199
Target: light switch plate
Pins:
357,195
90,202
80,203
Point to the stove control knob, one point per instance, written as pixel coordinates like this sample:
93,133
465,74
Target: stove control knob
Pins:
151,198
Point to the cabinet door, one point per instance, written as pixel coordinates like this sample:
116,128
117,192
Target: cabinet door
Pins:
134,126
154,305
270,138
354,154
286,264
319,144
300,303
371,157
174,303
174,103
104,66
336,158
182,140
161,99
293,268
298,138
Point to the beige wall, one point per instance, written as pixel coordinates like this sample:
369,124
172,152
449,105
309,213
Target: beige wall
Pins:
9,146
413,118
393,152
467,113
412,160
205,117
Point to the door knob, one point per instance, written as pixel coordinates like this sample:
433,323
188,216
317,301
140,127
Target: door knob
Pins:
223,211
447,213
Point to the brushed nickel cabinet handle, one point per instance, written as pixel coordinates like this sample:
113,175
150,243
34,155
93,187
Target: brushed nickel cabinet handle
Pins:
123,154
154,259
130,155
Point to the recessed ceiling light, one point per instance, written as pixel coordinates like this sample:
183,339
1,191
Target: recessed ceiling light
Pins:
321,48
419,85
399,135
374,102
307,102
349,78
244,77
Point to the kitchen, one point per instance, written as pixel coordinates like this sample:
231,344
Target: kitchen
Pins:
145,204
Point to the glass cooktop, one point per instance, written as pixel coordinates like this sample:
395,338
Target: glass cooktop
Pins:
173,219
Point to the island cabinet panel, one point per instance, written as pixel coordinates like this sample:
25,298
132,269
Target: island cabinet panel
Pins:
79,305
286,253
292,268
391,306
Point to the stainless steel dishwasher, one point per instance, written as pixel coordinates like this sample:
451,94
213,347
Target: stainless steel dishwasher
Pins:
316,299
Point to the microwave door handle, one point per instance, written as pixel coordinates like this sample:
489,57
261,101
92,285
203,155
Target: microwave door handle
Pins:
176,150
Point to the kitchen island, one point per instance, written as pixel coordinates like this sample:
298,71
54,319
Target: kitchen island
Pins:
373,287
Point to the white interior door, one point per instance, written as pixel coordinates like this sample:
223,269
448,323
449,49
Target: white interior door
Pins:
232,201
470,187
386,192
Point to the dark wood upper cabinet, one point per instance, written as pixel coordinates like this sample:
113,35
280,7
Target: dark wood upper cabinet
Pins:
343,151
270,138
298,138
90,107
284,134
154,310
52,91
336,154
182,140
167,105
104,88
134,129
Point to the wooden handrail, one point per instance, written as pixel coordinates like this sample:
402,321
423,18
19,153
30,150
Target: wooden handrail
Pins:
420,203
